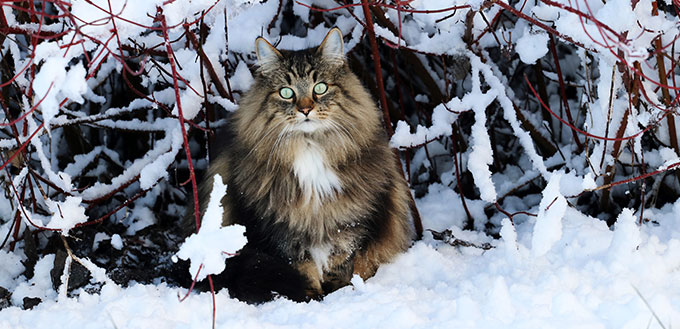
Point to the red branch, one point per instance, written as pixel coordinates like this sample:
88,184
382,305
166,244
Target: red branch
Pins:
585,132
636,178
378,70
399,7
178,100
171,59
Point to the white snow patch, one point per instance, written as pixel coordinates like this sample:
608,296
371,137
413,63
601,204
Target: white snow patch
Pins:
588,182
157,168
358,283
66,214
98,238
626,235
509,236
39,286
242,78
482,154
139,218
500,302
548,227
213,243
431,285
11,268
532,46
53,84
116,242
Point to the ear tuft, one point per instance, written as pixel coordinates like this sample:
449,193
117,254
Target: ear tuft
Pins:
333,47
266,53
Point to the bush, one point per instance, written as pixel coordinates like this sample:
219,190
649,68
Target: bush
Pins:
110,107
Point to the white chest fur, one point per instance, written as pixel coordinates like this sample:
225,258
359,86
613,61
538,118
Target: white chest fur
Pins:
316,179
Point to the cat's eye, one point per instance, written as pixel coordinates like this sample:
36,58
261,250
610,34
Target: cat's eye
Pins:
286,93
320,88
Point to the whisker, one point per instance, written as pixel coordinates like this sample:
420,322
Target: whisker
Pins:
262,139
276,146
341,129
343,133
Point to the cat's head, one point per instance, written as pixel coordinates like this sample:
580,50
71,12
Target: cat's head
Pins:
308,90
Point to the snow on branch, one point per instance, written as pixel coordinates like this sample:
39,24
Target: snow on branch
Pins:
207,249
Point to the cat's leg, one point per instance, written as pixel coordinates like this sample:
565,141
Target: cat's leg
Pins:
339,274
336,275
392,234
310,271
257,277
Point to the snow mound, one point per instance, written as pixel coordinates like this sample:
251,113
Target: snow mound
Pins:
548,228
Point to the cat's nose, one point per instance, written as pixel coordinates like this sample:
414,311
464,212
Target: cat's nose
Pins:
305,105
305,110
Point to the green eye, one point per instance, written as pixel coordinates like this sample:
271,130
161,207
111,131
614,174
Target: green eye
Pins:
320,88
286,93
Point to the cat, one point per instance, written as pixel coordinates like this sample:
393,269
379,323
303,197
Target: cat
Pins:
311,176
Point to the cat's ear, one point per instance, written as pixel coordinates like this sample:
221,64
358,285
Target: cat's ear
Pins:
333,47
266,53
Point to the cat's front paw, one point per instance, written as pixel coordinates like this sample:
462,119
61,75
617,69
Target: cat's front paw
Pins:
256,277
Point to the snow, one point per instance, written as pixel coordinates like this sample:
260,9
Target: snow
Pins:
509,236
207,249
443,117
242,78
98,238
11,268
433,285
39,286
139,218
548,228
66,214
482,155
532,46
50,86
626,235
116,242
589,182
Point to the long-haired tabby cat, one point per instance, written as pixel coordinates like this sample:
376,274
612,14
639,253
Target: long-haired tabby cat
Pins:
311,177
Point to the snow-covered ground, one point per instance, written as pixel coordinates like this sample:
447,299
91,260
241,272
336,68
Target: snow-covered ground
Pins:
591,277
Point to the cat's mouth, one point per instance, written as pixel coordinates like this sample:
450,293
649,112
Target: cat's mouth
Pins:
308,125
